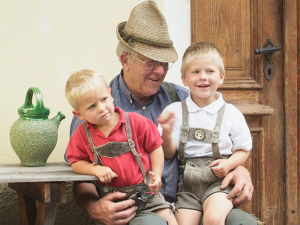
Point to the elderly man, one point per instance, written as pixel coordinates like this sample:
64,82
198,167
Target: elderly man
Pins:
146,54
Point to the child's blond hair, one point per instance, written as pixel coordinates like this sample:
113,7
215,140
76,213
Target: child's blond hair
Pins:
80,83
202,50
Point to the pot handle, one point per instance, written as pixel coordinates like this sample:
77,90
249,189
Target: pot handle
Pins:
28,108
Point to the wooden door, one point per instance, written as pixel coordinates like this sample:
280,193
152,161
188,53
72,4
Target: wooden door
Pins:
238,27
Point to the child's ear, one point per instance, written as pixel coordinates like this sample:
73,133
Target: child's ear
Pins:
222,79
109,89
77,113
183,78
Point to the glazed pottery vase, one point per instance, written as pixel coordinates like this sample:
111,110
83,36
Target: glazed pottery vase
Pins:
33,136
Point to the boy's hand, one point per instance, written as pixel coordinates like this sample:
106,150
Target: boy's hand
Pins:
104,173
156,181
219,167
167,120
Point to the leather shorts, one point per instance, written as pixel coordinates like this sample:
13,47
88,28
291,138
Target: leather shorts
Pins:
196,182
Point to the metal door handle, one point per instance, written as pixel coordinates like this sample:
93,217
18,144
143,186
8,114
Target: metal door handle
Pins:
268,49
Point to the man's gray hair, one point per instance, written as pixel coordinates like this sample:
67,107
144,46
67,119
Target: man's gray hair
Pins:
122,48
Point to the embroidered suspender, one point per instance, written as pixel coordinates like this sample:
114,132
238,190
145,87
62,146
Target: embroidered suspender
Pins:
200,134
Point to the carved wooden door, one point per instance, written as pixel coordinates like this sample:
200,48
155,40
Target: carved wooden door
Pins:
238,27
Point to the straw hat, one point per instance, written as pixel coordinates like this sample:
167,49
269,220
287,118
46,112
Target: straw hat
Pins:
146,32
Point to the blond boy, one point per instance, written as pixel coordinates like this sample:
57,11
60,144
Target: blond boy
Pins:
114,145
210,136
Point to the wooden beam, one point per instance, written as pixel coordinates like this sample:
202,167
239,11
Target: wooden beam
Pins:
290,100
298,100
37,191
254,109
48,195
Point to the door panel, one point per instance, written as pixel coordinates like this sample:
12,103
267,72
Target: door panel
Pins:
233,36
238,28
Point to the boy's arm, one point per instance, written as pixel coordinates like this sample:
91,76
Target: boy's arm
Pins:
166,121
104,173
157,160
237,158
84,167
168,145
221,167
157,165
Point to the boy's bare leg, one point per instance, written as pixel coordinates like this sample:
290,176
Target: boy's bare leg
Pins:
216,208
188,216
168,215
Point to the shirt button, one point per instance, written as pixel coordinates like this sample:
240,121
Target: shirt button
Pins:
144,107
130,101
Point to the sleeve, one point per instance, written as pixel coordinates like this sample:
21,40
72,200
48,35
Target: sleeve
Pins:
76,150
239,133
74,124
147,133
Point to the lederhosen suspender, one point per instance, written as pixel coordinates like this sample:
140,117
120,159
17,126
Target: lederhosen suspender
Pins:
114,149
200,134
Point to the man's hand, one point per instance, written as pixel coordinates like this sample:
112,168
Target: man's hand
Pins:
241,180
105,210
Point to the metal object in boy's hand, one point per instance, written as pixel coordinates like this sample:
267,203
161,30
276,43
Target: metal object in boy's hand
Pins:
141,198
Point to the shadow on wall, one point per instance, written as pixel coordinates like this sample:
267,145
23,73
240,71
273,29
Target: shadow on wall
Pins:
67,213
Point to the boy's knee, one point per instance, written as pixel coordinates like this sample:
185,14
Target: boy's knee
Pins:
213,218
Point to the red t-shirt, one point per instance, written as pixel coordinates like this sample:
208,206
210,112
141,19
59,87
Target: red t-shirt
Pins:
144,134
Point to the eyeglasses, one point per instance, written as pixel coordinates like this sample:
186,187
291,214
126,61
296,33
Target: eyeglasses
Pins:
150,64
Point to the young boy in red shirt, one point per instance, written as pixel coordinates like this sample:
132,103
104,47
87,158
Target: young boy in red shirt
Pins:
119,148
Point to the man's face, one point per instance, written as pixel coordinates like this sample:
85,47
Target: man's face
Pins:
140,82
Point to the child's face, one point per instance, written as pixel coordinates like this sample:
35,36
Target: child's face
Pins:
97,106
203,78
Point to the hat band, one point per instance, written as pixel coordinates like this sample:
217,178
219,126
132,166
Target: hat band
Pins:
129,38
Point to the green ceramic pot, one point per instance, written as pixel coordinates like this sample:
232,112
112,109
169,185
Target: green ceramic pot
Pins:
33,136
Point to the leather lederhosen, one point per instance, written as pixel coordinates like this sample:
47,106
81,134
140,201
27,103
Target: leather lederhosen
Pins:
195,174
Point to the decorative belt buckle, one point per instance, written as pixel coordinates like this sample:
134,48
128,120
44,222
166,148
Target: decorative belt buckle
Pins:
199,135
105,189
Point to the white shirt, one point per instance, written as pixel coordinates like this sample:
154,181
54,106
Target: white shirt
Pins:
234,133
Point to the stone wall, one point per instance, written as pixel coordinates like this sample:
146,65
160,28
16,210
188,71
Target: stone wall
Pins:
67,213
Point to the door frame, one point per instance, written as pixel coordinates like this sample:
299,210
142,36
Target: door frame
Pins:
290,48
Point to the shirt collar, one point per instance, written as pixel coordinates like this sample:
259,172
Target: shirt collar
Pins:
124,88
121,113
211,108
